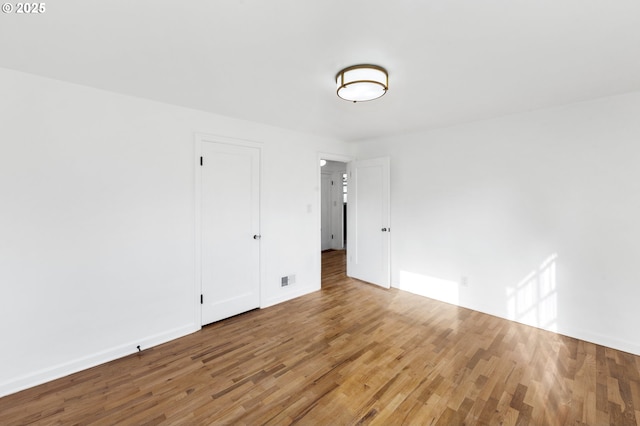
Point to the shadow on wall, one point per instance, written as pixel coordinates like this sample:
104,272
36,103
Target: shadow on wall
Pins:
534,300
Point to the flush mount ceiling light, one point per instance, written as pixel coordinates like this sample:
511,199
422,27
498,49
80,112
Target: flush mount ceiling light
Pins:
361,83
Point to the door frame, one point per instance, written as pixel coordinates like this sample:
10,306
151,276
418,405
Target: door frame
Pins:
199,139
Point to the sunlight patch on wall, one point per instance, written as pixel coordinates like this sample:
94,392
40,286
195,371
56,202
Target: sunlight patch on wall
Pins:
424,285
534,300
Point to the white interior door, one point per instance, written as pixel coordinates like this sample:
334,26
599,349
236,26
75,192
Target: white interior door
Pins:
337,209
368,230
325,212
230,230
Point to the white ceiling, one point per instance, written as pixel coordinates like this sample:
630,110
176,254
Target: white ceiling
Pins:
274,61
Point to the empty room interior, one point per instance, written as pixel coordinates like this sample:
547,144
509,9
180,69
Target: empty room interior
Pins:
320,212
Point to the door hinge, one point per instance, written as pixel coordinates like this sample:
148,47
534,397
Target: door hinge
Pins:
201,299
201,161
331,183
332,236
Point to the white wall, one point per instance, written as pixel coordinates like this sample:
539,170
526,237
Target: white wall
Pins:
540,211
97,222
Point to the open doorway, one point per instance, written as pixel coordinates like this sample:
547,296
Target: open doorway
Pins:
367,219
333,184
333,226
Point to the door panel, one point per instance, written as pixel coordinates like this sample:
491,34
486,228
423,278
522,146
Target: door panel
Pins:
368,221
230,219
325,213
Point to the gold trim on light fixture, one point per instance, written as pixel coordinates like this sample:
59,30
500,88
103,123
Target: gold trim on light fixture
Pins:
361,83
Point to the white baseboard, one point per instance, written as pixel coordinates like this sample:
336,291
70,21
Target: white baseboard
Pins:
291,294
569,331
602,340
46,375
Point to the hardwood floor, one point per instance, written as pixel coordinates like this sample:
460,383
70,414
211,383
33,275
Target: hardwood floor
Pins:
351,353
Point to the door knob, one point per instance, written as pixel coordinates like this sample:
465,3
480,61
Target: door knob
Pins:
257,237
384,229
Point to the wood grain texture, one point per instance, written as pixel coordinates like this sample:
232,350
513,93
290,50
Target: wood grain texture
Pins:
350,354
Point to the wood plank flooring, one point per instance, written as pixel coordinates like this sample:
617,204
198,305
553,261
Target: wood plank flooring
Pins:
350,354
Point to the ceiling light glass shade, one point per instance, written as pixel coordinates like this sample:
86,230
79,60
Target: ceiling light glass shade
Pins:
361,83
